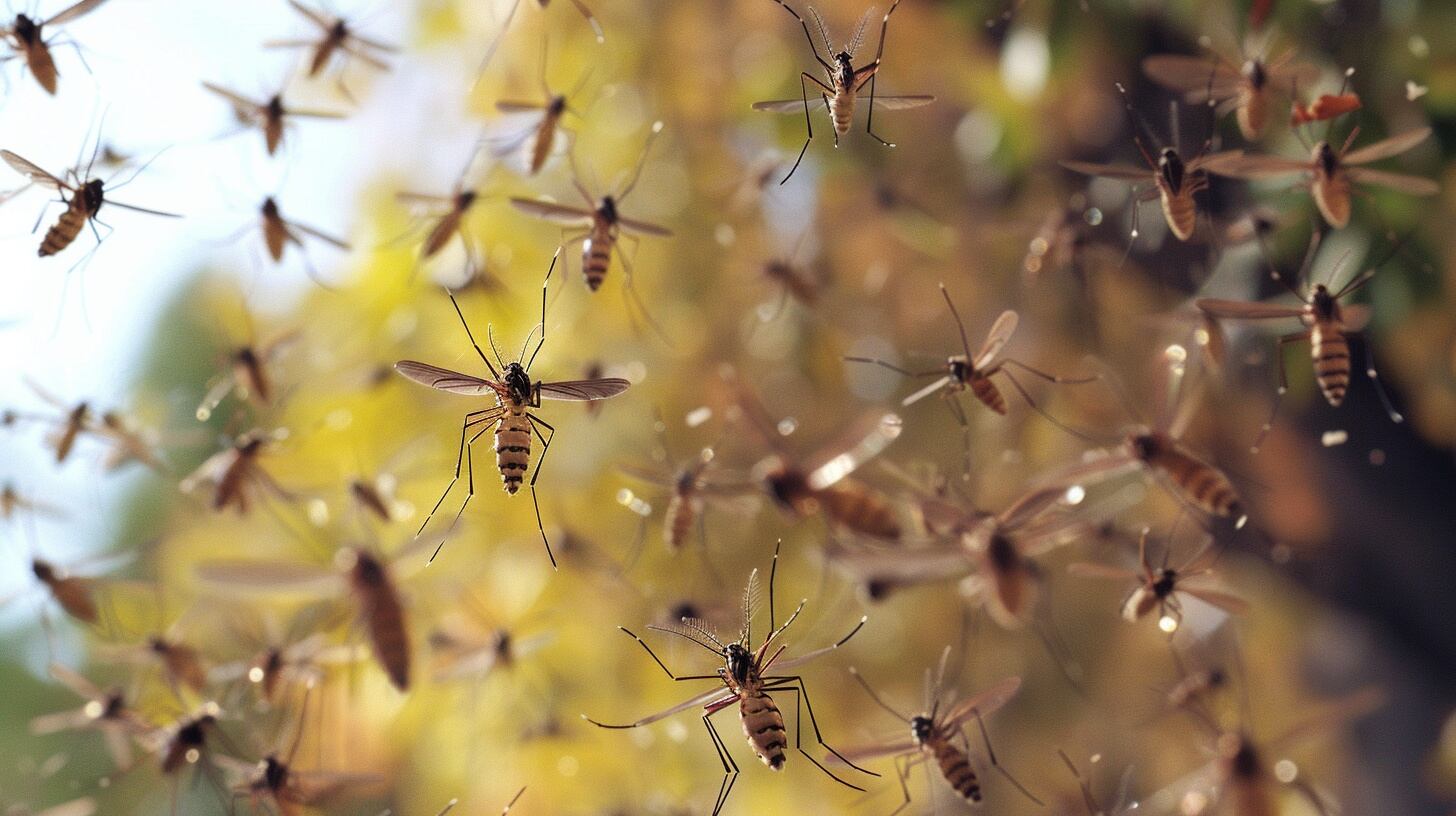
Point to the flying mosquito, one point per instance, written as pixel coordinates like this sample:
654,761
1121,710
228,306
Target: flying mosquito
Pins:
1243,84
1174,180
83,198
1158,587
448,213
279,233
129,443
973,372
1331,175
688,489
475,644
532,133
105,712
247,374
1328,326
586,13
845,82
76,595
336,37
370,580
280,660
941,738
515,395
269,116
744,681
13,503
26,39
823,483
68,424
236,475
606,227
186,741
179,662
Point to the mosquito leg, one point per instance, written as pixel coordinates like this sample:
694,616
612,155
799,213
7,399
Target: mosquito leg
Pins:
891,366
870,119
991,757
795,684
1052,377
1037,408
1395,416
471,419
959,412
545,448
902,775
634,300
730,768
468,333
808,120
1283,387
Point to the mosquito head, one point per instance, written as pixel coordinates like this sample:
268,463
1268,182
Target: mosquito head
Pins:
91,193
43,571
921,728
1326,157
517,381
339,31
1144,446
608,209
960,368
739,662
844,69
501,642
1170,168
275,773
557,106
158,645
270,209
1255,74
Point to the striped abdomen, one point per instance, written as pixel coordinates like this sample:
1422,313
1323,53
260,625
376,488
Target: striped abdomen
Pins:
1202,483
1180,211
444,230
384,617
1253,111
955,766
763,725
1331,195
1331,353
596,253
851,504
66,228
987,392
841,110
513,446
545,139
682,512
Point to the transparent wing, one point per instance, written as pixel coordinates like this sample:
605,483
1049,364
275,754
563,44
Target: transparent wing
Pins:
1001,332
516,106
1245,310
1356,317
702,699
983,703
1256,167
244,105
1227,601
903,102
29,169
1098,470
1400,182
1030,505
75,682
584,390
269,576
1193,75
633,225
1214,159
909,566
839,465
322,236
443,379
1384,149
1350,707
68,14
787,105
866,753
559,213
318,18
1126,172
148,211
1287,74
1107,571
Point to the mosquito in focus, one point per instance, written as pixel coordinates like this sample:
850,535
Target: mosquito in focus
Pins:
1332,174
585,12
83,197
1158,587
606,227
270,116
1174,180
1242,84
845,82
26,39
336,37
940,737
1328,327
511,418
745,681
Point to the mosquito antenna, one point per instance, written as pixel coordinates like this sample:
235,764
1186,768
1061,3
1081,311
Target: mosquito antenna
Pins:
490,336
471,335
873,696
823,31
859,31
641,160
682,634
965,343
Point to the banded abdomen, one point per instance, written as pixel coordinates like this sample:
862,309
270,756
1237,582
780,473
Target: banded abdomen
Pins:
955,766
1331,353
841,110
682,512
384,617
1331,193
1202,484
987,392
763,725
596,252
513,446
853,505
1180,211
1253,110
65,230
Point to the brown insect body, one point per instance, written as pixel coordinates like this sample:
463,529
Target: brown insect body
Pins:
181,662
1329,348
848,502
275,230
596,249
684,507
234,475
1331,187
449,224
545,136
72,593
1176,188
1250,782
27,33
77,420
1201,483
81,207
383,614
189,741
1253,99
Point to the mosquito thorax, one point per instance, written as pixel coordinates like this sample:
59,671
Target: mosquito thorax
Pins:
275,772
1170,168
1001,550
464,199
1254,74
921,728
270,209
608,209
275,108
43,571
1165,581
339,31
92,194
158,645
960,368
26,30
1144,446
844,63
1326,158
518,382
367,570
739,662
1323,302
557,106
113,707
249,445
1243,759
500,642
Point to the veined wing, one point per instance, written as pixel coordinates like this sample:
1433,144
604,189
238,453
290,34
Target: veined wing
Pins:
1125,172
1001,332
1107,571
983,703
633,225
443,379
702,699
1400,182
244,105
787,105
839,465
866,753
1256,167
584,390
1385,148
1193,75
550,211
1245,310
31,170
1214,159
1227,601
424,198
68,14
269,576
903,102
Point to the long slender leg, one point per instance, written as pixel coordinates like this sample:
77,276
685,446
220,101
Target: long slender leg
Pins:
730,768
1283,386
1395,416
891,366
870,118
545,448
795,683
478,350
486,416
662,665
1037,408
991,757
902,775
629,288
544,283
808,120
810,37
799,744
1052,377
952,401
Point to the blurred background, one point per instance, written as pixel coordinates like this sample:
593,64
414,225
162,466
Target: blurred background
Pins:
1345,561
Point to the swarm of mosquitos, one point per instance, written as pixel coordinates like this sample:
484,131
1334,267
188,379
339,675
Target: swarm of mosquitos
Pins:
885,541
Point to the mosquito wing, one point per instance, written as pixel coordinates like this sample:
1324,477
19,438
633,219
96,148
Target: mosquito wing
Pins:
514,106
1400,182
866,753
1227,601
1384,149
1030,506
1215,159
318,18
1356,316
269,576
787,105
1194,76
839,465
322,236
1245,310
1350,707
243,105
1001,332
135,208
1125,172
443,379
68,14
32,171
925,392
560,213
1256,167
1107,571
984,703
712,695
903,102
584,390
1289,74
75,682
633,225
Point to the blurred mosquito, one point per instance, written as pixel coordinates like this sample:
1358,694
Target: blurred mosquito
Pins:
845,82
1174,180
1331,175
1060,240
793,279
475,644
75,594
605,228
279,233
511,418
13,503
1158,587
1328,326
247,372
180,663
67,425
934,736
336,37
270,116
586,13
129,443
744,680
688,488
105,712
448,213
83,197
823,483
236,475
1242,83
26,39
532,132
281,660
